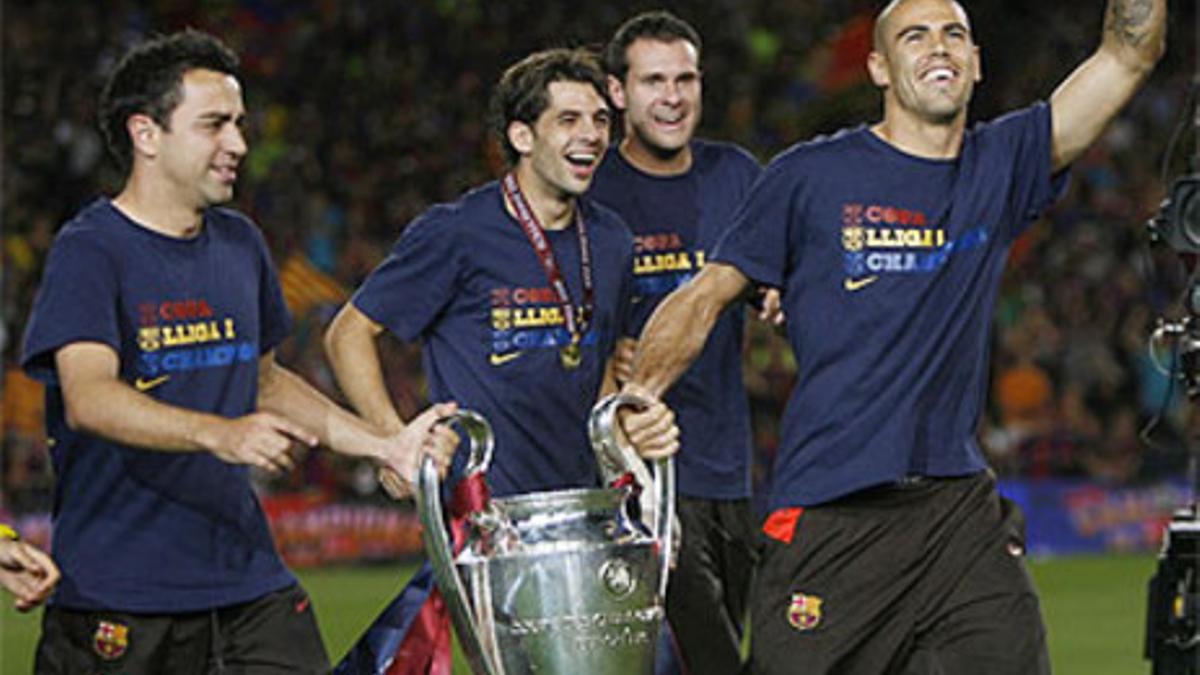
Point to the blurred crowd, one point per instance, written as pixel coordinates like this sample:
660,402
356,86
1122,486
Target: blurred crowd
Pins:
362,113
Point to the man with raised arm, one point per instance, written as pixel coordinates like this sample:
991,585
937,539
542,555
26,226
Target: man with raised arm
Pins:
888,549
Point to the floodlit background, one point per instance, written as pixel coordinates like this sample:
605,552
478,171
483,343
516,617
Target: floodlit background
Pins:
364,113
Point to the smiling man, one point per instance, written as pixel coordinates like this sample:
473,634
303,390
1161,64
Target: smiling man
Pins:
517,292
154,330
888,549
678,194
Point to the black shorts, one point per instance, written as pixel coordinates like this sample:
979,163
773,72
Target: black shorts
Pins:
707,590
918,579
274,634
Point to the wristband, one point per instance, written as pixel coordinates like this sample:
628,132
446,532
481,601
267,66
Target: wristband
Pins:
6,532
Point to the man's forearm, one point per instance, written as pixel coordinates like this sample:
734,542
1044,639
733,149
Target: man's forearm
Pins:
114,410
98,403
1136,30
678,329
1094,93
286,394
671,341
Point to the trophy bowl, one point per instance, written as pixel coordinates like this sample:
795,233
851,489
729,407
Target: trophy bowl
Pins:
565,581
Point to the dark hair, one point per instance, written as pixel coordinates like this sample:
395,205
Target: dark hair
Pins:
148,80
656,25
523,92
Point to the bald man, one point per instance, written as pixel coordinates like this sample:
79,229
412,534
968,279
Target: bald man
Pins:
888,549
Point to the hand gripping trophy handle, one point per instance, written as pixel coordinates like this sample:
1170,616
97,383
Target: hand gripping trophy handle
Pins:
616,460
437,542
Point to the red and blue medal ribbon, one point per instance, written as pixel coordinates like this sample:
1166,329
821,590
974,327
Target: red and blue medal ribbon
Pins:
576,317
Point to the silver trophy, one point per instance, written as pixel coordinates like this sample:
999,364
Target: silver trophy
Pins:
557,582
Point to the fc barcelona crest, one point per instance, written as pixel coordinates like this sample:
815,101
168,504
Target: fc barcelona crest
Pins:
805,611
111,640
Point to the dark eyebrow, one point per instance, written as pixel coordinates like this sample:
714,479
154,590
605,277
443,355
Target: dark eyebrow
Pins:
215,116
907,30
924,28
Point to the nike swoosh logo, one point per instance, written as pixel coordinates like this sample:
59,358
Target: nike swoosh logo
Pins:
501,359
853,285
147,385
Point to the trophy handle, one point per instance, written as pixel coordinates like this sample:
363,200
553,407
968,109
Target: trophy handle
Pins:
437,542
615,460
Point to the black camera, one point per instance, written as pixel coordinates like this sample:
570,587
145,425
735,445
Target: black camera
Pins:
1178,221
1172,629
1173,608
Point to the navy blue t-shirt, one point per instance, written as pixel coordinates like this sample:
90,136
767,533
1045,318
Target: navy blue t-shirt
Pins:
676,220
465,281
141,530
890,265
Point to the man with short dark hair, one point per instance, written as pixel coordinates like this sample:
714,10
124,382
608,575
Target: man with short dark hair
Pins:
888,549
518,292
154,330
678,194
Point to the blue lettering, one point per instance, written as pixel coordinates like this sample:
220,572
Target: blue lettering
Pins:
216,356
660,284
542,338
247,351
178,360
855,264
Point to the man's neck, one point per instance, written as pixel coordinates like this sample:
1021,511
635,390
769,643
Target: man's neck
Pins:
154,210
553,208
922,138
653,161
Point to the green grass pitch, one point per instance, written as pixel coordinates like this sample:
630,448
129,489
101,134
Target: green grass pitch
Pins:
1094,607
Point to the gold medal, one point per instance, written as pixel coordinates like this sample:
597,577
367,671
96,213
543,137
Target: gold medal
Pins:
571,356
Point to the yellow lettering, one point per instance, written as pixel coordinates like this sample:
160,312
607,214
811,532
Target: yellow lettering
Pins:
905,238
229,333
877,238
191,333
662,262
533,317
